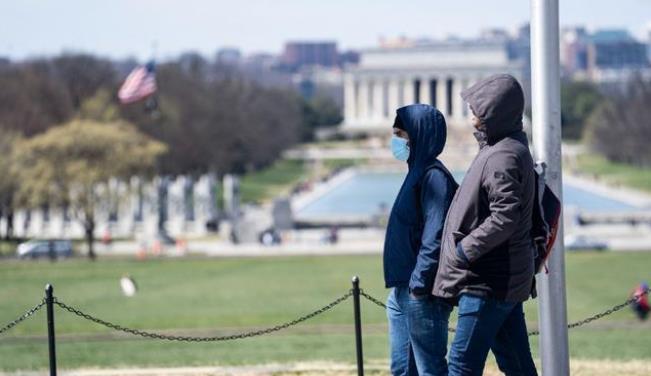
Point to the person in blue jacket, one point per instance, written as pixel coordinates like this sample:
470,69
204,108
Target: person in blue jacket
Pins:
418,321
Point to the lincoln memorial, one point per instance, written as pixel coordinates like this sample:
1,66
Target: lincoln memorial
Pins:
433,72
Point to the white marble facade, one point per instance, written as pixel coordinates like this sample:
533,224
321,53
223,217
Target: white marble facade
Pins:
190,204
434,73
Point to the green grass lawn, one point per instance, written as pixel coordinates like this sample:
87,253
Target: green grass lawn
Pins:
281,176
615,173
343,163
212,296
261,185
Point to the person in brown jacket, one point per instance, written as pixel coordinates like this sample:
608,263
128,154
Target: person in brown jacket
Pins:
487,255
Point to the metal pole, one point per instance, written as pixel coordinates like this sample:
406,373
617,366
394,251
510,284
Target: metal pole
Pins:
49,301
358,327
546,111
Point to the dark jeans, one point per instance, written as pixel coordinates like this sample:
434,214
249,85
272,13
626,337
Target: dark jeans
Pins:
484,324
418,333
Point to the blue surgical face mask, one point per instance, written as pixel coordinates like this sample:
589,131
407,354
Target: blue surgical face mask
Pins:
399,148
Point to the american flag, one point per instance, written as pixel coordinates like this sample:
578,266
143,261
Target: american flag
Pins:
140,84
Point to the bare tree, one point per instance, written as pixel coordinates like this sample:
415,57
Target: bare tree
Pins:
620,128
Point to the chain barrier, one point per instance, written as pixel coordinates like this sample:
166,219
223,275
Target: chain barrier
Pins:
255,333
573,325
22,318
605,313
372,299
276,328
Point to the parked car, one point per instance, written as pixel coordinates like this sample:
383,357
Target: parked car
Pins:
269,237
36,248
582,242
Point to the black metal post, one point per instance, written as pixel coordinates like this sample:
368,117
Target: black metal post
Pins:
358,327
49,301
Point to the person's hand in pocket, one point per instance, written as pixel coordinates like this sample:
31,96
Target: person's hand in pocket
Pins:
461,255
417,295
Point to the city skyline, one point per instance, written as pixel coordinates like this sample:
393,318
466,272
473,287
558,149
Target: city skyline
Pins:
166,28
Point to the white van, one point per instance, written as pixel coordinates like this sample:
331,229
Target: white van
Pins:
41,248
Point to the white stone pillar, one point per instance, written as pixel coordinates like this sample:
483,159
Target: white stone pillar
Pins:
442,95
425,96
350,99
393,97
408,88
465,111
363,101
401,92
457,101
378,101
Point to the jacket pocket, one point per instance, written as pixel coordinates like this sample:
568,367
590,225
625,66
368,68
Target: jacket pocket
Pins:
457,261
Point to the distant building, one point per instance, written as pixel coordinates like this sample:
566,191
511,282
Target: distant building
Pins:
299,54
320,81
613,55
616,49
348,58
494,34
229,56
574,50
424,71
520,52
260,67
607,57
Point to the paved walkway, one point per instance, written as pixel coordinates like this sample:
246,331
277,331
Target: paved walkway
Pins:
577,367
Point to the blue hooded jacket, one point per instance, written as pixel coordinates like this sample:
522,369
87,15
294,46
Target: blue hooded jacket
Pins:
413,238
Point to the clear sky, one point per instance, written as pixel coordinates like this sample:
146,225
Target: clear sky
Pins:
123,28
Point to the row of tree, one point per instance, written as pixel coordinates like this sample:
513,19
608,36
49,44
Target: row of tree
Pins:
63,133
72,166
211,116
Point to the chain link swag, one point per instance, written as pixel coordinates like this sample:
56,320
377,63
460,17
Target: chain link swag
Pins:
573,325
254,333
272,329
22,318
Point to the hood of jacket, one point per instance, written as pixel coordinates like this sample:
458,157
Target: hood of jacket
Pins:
498,102
427,132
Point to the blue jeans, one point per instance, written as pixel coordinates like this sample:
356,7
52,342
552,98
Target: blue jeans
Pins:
488,324
418,333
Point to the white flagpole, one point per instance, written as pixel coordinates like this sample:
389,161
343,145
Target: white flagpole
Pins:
546,111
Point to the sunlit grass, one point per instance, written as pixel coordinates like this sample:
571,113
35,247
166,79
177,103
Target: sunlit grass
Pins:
203,296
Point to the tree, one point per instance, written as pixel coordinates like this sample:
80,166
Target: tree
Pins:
320,111
38,94
9,182
212,118
218,124
31,100
71,165
101,107
578,100
620,127
83,75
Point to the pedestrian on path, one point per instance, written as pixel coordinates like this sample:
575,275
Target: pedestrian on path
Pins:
487,256
418,321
